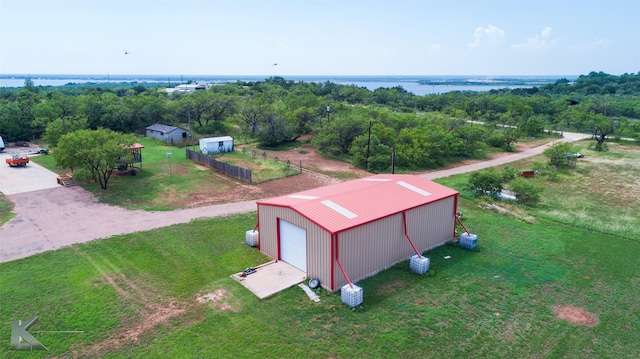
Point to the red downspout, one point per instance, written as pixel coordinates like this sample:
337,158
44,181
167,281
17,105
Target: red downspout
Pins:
455,211
278,238
258,225
340,264
459,221
406,234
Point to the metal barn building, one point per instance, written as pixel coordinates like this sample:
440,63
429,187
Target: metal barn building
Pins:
356,228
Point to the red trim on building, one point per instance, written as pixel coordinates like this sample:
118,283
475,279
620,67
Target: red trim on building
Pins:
278,236
406,234
333,259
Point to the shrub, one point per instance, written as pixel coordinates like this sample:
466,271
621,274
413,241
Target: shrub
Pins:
559,155
497,141
486,183
509,173
526,192
552,174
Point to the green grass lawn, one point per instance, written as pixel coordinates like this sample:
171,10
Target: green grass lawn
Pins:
495,303
164,183
602,193
6,209
262,169
171,183
136,296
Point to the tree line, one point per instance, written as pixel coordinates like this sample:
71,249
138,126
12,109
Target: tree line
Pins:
349,122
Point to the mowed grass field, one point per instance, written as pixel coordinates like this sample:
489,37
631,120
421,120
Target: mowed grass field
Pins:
165,183
545,284
172,182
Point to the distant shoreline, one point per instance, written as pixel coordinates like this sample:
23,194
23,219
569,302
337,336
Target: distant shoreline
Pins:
418,85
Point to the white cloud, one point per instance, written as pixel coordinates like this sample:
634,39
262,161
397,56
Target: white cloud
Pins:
487,36
540,41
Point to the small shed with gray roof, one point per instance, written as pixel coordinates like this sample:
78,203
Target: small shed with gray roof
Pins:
168,134
352,230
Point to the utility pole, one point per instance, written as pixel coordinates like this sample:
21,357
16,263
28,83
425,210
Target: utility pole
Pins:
189,121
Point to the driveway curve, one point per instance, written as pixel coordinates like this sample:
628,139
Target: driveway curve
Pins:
49,219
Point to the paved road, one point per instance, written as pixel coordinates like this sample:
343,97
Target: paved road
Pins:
568,137
48,219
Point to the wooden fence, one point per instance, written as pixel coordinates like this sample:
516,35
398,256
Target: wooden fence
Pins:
240,173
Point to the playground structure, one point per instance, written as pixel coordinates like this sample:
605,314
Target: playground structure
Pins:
130,165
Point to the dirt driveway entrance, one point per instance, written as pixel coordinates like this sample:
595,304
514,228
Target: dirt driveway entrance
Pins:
53,218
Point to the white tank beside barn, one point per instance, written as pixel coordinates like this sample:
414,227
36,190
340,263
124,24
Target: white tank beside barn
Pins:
356,228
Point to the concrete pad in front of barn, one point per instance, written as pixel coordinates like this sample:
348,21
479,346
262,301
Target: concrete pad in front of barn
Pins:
271,278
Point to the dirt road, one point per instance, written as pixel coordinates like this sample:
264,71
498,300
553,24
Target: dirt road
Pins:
53,218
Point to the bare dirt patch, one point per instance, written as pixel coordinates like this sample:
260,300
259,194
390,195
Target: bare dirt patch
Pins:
151,307
219,299
575,315
318,171
390,287
308,156
201,167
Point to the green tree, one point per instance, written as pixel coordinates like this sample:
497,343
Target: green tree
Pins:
9,120
486,183
251,110
526,192
93,153
337,137
59,127
603,126
559,155
372,149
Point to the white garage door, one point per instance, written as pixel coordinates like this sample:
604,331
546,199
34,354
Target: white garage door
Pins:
293,245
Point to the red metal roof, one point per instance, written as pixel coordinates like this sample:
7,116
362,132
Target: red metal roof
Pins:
349,204
134,146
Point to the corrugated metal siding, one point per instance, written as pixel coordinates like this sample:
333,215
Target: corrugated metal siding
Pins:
364,250
370,248
318,240
432,225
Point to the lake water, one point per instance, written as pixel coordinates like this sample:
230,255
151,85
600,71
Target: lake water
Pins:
418,85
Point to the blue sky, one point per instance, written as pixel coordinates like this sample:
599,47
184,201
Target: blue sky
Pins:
329,37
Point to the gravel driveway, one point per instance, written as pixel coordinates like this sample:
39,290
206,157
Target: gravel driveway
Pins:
52,218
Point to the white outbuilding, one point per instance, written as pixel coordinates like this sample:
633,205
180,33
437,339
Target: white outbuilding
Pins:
214,145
